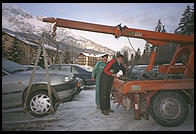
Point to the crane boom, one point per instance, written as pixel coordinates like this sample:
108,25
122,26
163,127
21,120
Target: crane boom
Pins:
155,38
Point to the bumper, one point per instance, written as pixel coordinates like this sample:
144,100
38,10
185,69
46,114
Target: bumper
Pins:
89,82
66,90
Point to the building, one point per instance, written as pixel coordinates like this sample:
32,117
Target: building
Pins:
87,59
29,49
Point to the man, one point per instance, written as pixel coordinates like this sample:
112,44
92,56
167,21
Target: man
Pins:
96,74
106,81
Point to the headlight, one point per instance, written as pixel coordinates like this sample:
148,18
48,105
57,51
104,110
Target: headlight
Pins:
68,78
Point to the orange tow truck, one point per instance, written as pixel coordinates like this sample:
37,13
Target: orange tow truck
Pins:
167,99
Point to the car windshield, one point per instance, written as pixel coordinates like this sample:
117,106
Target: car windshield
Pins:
88,69
11,66
30,67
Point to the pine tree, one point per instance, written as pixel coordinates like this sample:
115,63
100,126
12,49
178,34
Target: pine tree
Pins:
159,26
15,52
33,57
131,61
186,25
67,57
117,53
41,58
125,53
137,54
146,51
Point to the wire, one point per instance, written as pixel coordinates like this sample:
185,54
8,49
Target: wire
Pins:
131,45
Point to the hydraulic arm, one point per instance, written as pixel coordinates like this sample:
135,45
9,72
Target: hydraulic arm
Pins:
155,38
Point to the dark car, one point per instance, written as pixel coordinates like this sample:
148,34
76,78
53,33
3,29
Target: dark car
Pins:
77,70
138,72
15,81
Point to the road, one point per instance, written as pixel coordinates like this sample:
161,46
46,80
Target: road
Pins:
81,115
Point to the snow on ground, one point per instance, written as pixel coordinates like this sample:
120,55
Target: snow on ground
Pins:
81,115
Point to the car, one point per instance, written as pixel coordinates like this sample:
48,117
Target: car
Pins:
30,67
79,71
38,68
138,72
15,81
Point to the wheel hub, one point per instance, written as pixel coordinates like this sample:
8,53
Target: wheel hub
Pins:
40,104
170,108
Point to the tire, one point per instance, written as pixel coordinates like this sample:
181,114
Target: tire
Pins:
78,91
83,84
38,103
169,108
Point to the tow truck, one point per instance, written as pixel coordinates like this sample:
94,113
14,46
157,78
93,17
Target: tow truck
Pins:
166,98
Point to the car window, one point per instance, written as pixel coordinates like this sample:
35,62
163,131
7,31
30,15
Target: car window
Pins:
75,71
55,68
66,68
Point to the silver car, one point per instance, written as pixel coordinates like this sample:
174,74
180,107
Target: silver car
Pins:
15,81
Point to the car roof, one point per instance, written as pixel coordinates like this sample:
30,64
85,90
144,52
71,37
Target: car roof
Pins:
66,65
30,66
72,65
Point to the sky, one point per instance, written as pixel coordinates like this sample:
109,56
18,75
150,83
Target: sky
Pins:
134,15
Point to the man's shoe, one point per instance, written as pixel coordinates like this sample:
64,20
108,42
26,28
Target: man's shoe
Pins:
110,110
105,112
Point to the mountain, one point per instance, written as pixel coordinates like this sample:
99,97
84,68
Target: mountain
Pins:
27,27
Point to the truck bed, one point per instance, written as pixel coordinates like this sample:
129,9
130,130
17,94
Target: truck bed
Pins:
150,85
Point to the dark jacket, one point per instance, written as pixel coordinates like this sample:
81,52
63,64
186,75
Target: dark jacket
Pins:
113,67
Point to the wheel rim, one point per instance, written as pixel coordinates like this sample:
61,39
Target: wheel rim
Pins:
170,108
40,104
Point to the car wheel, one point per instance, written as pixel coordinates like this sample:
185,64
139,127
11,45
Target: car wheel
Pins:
39,103
84,85
169,108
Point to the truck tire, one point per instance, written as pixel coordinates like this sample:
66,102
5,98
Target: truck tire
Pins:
39,104
169,108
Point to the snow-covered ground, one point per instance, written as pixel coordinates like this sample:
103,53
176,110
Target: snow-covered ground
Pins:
81,115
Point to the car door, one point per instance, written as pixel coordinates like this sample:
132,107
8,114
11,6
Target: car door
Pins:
11,95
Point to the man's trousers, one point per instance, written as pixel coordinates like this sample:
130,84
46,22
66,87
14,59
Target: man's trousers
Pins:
104,91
